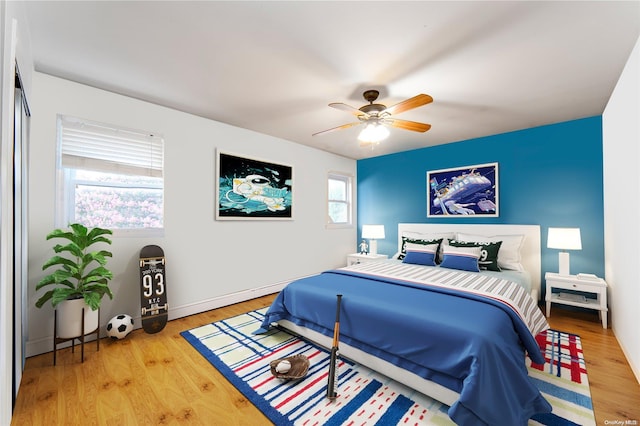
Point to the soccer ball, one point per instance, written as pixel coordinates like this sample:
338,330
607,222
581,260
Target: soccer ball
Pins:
119,326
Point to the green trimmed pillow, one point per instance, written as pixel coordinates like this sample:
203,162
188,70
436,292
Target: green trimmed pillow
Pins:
488,253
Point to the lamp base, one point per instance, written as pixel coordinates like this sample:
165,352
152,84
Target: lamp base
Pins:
373,246
563,263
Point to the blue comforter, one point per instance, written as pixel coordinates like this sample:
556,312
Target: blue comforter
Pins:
464,342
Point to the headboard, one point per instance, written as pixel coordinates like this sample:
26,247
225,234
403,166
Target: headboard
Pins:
530,250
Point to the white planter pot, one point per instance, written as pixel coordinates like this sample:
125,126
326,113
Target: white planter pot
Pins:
69,319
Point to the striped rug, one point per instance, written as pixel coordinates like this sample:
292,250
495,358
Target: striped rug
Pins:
366,397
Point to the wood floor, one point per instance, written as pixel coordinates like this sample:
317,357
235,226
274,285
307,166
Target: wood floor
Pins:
156,379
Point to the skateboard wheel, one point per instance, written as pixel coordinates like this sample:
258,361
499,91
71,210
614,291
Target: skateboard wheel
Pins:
163,260
141,263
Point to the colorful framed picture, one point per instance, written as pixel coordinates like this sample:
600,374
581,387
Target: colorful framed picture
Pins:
252,189
470,191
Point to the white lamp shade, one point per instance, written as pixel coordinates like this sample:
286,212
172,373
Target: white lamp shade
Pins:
564,239
375,232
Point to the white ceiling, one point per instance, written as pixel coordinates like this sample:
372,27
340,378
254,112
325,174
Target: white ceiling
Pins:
274,66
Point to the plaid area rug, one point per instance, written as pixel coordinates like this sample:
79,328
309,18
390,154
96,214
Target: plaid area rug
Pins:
367,397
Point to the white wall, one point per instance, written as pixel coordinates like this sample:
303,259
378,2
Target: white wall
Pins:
621,136
209,263
14,48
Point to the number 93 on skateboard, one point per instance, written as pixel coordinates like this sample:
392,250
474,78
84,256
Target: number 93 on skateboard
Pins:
153,289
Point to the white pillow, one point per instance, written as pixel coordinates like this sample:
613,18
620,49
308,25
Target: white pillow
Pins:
431,236
509,254
463,258
427,248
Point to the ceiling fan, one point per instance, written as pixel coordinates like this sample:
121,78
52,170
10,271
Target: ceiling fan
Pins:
377,116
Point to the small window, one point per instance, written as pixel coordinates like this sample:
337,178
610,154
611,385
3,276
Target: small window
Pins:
109,177
339,199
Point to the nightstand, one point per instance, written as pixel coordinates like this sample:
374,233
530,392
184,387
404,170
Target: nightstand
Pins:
355,258
593,285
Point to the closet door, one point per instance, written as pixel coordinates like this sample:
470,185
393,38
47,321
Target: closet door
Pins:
20,238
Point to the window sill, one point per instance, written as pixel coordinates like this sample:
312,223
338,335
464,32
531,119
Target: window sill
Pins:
139,233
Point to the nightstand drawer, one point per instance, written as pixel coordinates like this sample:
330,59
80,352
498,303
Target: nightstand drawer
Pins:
568,286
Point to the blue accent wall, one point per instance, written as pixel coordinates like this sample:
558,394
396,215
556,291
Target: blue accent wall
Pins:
549,175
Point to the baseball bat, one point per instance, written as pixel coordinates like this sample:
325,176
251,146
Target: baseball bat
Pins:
332,386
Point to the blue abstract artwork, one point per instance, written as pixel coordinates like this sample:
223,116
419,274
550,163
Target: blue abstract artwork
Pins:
470,191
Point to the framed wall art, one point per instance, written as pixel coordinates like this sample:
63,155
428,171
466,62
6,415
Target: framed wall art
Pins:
470,191
252,189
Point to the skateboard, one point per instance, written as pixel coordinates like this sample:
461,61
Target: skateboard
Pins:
153,289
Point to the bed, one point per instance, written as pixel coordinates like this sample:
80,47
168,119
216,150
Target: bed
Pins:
458,336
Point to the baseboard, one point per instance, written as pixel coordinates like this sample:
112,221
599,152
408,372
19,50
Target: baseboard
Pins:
225,300
630,359
45,344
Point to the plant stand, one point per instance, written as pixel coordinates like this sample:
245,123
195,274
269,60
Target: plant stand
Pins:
58,340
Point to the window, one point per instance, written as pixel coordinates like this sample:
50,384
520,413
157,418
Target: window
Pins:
109,177
339,199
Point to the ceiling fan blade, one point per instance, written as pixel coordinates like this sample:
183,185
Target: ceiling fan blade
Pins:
408,104
348,108
344,126
408,125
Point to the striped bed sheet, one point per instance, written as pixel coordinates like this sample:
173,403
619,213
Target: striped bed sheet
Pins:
508,292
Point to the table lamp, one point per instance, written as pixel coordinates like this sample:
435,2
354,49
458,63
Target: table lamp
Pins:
564,239
373,233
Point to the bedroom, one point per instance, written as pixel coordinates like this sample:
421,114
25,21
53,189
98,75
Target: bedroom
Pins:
201,136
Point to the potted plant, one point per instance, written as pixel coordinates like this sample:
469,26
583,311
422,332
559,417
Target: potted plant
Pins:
80,280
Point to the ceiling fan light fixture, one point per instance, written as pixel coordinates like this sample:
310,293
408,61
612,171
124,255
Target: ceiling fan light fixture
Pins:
375,117
373,133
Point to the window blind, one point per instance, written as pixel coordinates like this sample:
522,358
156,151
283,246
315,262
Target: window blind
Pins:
100,147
